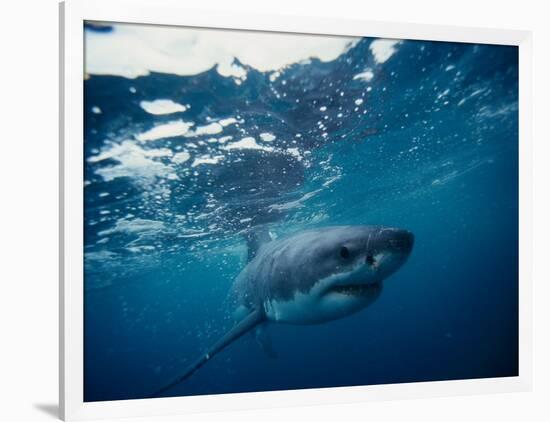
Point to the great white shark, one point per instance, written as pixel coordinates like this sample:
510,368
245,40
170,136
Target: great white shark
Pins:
311,277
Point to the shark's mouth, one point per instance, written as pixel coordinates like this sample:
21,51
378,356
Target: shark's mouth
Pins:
365,289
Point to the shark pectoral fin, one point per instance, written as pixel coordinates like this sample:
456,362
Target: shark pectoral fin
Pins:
240,313
263,338
247,324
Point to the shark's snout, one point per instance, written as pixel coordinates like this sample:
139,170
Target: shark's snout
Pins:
402,241
388,251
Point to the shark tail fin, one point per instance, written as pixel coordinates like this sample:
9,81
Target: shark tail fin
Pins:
247,324
255,238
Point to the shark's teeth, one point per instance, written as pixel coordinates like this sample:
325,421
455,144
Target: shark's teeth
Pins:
356,289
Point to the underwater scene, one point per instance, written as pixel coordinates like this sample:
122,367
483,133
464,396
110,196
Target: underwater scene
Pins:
268,211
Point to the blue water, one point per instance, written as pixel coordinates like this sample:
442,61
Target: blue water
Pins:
432,148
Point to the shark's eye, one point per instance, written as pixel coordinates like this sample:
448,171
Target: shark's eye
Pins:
370,260
344,252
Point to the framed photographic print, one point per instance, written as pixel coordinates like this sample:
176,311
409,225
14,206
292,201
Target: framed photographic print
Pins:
272,210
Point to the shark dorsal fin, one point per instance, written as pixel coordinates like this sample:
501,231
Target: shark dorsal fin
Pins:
255,238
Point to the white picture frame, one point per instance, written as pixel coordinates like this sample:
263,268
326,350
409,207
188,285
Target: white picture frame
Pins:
73,13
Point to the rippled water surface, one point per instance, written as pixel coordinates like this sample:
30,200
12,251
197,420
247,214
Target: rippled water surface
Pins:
420,135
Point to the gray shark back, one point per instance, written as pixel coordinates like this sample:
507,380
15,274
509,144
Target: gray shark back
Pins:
284,267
